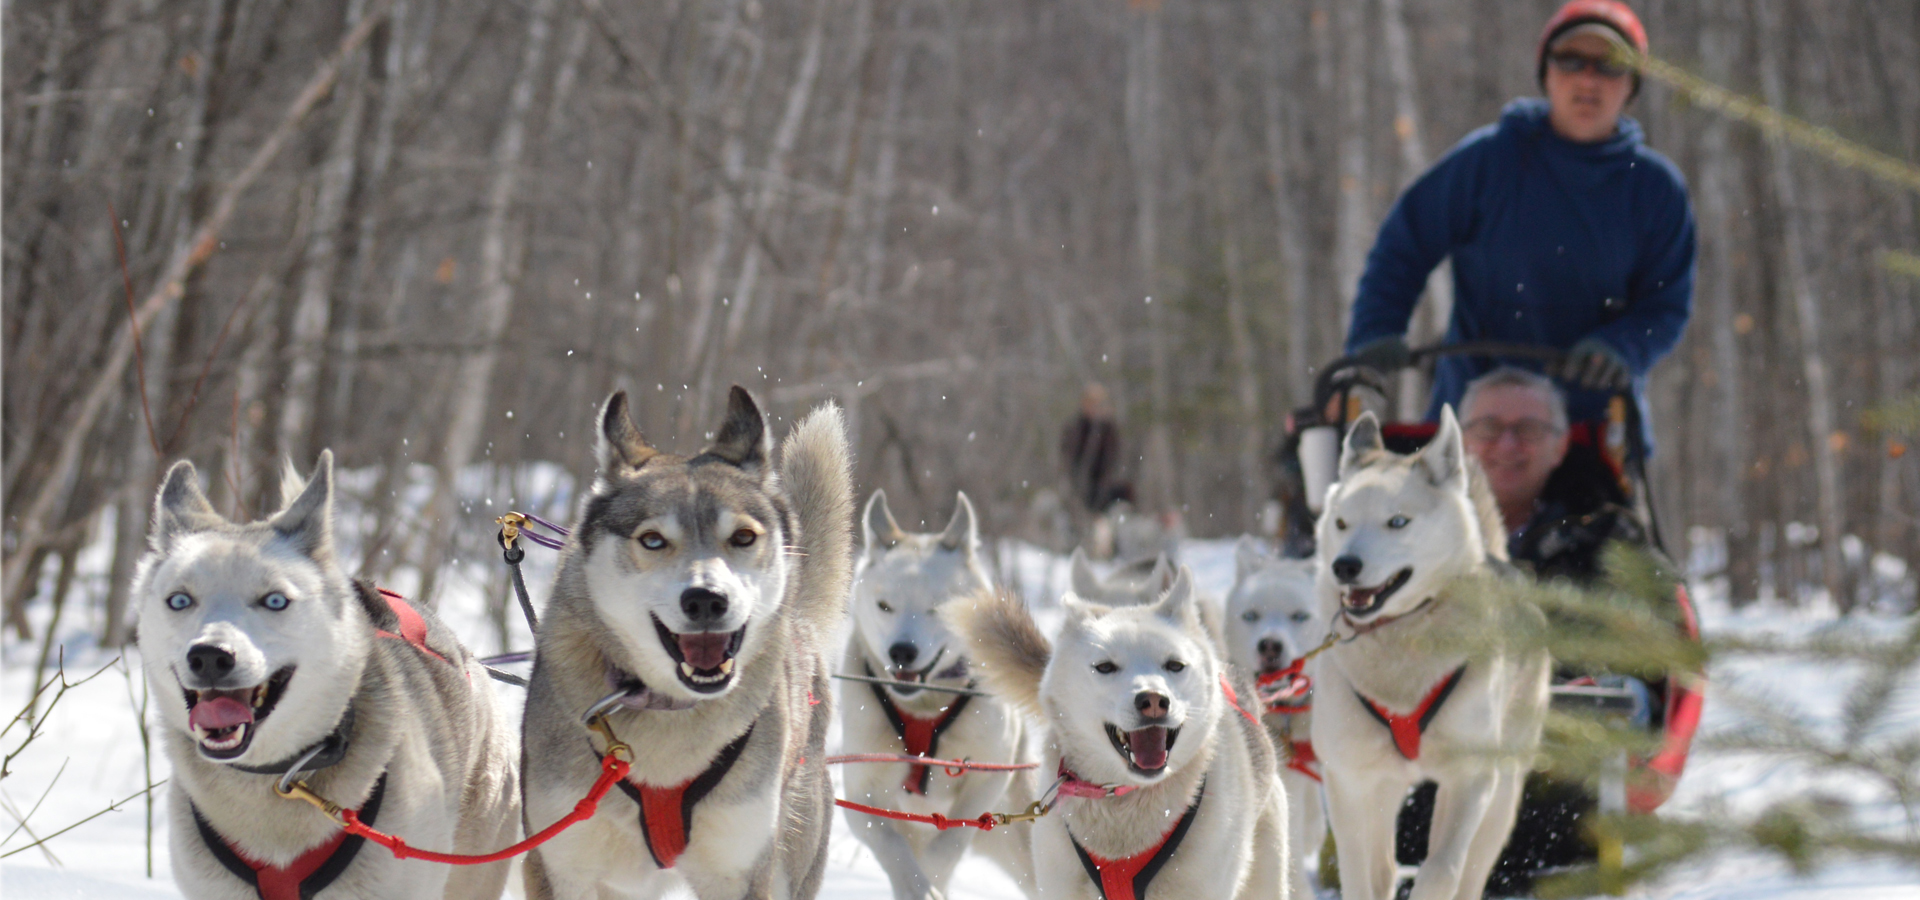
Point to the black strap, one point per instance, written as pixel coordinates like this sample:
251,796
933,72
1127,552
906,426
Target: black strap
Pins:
949,716
513,555
696,790
329,871
333,749
1145,876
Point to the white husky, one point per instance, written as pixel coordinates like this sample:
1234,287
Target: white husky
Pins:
1445,677
901,581
1272,622
265,659
1160,782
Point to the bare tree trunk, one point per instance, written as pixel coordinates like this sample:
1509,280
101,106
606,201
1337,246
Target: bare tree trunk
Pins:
1718,179
1799,285
106,381
1429,318
494,306
313,305
1354,217
1143,144
1282,145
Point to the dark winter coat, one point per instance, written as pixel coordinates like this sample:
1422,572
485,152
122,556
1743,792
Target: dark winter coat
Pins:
1551,242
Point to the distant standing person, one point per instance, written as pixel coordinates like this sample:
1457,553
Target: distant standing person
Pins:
1090,447
1565,230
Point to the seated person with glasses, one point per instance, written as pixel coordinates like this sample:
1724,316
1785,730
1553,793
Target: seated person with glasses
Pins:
1558,516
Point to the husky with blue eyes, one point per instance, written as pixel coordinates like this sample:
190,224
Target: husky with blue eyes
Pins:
268,663
1162,787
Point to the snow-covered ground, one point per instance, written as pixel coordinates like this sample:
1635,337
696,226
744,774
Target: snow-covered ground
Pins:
89,756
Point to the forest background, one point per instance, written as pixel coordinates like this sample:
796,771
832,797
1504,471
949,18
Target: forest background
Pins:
433,234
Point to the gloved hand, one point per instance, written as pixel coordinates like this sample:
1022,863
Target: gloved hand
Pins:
1594,364
1387,354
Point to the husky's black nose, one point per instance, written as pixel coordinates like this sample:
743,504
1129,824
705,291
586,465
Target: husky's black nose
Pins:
1151,705
1270,649
903,654
1347,568
702,605
209,661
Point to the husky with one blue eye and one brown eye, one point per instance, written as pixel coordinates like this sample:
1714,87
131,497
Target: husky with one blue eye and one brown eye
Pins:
694,604
281,666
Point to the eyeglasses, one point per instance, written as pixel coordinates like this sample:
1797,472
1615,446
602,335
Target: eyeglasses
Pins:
1526,431
1574,64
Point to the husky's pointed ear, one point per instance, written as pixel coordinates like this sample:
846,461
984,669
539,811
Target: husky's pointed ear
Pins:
1180,604
1160,577
877,525
1247,557
1078,609
1444,458
743,439
307,522
1080,570
180,508
1363,440
963,530
621,445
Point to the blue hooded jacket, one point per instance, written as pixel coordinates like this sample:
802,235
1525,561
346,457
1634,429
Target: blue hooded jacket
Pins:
1552,242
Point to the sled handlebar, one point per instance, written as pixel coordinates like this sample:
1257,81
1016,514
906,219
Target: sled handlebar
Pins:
1331,380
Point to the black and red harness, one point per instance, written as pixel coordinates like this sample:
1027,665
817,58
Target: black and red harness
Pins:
666,813
311,872
921,735
1408,729
1127,877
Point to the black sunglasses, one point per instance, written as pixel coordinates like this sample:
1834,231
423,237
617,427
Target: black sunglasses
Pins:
1574,64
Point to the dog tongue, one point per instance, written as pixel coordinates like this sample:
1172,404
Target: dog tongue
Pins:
216,713
704,651
1149,746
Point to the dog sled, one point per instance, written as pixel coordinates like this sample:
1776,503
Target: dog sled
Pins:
1606,460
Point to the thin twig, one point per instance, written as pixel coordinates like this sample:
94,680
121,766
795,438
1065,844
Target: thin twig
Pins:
133,322
113,807
22,820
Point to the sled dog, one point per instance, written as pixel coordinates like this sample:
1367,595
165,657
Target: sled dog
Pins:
696,597
265,659
1273,621
900,583
1141,581
1445,675
1163,790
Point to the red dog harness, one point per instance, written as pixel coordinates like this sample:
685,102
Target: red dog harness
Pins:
1127,878
309,873
666,813
921,735
1407,729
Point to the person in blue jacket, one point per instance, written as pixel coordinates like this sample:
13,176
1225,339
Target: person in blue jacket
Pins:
1565,230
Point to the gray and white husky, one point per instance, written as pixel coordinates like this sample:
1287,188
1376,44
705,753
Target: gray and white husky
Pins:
1273,621
900,583
266,659
696,597
1445,677
1162,783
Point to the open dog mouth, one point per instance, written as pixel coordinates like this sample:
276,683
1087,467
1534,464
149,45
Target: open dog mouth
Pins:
1363,601
906,682
704,661
1144,749
223,721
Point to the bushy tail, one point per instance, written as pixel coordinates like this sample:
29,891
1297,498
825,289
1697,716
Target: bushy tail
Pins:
1009,652
816,468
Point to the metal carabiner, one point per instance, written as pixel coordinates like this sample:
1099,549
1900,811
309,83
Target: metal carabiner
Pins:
1035,810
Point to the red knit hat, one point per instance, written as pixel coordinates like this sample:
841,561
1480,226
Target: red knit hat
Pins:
1611,13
